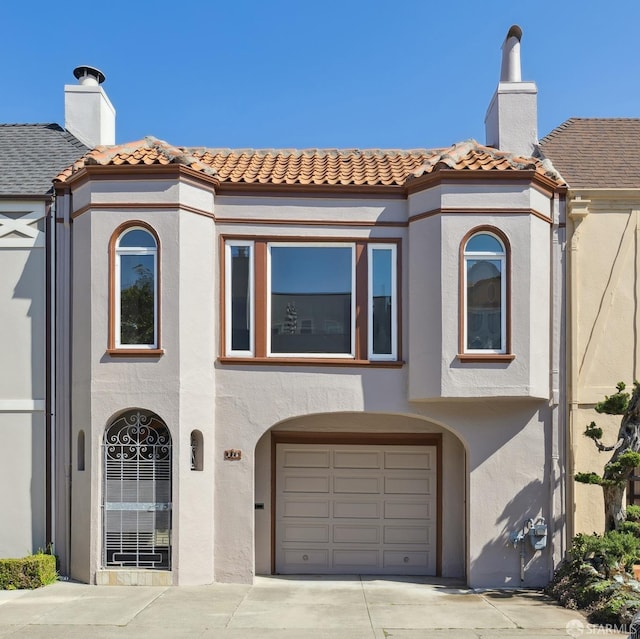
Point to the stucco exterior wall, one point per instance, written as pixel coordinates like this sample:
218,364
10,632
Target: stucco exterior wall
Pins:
22,379
495,447
604,343
177,386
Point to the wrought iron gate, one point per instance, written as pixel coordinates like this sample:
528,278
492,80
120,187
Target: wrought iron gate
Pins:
136,508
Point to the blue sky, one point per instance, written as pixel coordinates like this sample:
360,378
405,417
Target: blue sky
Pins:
349,73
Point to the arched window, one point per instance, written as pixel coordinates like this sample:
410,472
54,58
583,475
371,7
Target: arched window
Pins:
484,290
137,492
135,317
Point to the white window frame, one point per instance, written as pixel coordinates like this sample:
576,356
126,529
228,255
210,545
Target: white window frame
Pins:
352,246
135,250
380,357
492,256
229,245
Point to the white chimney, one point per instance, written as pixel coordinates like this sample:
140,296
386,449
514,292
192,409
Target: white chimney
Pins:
88,113
511,123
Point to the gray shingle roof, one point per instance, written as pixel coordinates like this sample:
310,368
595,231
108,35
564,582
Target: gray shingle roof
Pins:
31,155
596,153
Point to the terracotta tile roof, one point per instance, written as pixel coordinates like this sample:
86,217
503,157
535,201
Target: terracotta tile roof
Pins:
596,153
369,167
471,156
31,155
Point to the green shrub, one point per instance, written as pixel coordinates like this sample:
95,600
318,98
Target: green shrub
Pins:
29,572
632,527
613,550
617,610
633,513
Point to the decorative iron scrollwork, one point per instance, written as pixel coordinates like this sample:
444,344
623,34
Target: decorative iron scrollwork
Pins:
138,436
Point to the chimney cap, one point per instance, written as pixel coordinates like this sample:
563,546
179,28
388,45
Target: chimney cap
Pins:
514,32
86,72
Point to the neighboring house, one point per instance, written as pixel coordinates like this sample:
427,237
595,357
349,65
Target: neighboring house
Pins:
315,361
598,158
31,155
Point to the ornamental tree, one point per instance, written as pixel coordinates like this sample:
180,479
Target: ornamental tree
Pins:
625,456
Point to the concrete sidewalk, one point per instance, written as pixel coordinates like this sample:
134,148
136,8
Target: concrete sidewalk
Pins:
287,608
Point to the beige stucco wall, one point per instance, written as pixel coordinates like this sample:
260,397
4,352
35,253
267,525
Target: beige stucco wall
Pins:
604,344
22,380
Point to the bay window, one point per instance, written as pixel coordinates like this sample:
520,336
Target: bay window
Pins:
311,299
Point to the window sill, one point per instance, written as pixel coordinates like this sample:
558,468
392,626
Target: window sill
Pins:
307,361
135,352
477,358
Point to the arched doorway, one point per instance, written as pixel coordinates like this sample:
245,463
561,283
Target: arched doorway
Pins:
136,502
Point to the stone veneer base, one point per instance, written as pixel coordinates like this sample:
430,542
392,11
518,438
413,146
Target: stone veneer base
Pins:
134,578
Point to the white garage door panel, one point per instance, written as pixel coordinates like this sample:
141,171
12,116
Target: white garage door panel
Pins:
307,459
396,559
304,484
406,510
306,508
407,535
416,461
378,516
307,560
356,534
355,559
356,459
356,485
414,485
356,509
306,534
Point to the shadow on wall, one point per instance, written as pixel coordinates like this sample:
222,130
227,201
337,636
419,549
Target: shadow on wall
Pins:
502,556
31,286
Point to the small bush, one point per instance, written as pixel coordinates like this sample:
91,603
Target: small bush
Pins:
27,573
633,513
615,550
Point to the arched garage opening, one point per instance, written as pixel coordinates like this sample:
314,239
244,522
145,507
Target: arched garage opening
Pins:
356,493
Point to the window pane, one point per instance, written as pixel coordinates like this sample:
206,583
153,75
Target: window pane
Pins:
240,298
137,299
311,299
484,243
382,285
484,304
137,238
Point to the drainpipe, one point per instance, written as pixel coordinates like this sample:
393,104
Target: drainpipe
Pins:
50,372
577,210
556,492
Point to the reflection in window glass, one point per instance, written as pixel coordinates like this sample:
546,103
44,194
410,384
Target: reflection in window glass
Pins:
311,299
137,276
136,262
485,312
382,300
240,298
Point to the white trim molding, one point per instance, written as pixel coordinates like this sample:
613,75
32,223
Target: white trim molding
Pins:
21,405
19,222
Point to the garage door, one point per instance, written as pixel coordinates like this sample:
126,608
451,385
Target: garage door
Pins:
355,509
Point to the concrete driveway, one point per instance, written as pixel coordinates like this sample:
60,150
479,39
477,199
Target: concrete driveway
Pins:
288,608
